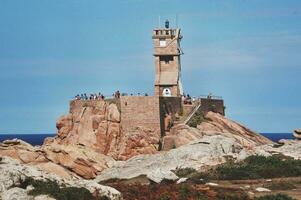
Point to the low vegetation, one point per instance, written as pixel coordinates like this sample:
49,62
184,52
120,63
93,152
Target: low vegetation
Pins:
53,189
166,190
196,119
275,197
280,185
184,172
256,167
224,194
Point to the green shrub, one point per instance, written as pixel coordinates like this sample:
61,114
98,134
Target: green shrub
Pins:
196,119
255,167
53,189
184,172
275,197
213,107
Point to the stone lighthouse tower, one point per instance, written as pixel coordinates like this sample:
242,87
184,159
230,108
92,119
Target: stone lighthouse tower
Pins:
167,61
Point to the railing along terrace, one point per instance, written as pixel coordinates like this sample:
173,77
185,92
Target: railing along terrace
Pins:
105,97
210,97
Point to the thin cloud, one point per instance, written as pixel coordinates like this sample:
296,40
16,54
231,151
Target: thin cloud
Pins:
278,49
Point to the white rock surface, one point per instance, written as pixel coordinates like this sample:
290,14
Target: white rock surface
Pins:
43,197
15,194
291,148
11,172
200,154
261,189
212,184
181,180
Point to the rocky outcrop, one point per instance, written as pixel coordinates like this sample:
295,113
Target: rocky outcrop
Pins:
63,160
96,125
290,148
297,134
139,140
12,172
90,139
200,155
15,193
213,124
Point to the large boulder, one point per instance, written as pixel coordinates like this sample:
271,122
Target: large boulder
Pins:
290,148
113,113
213,124
200,154
297,134
12,172
139,140
15,193
93,124
96,125
65,160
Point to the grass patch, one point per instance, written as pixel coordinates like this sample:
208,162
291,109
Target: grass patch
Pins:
275,197
280,185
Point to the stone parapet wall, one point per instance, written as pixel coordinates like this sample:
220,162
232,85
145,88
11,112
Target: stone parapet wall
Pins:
140,111
214,105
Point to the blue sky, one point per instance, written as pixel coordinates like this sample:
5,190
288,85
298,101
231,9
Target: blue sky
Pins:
246,51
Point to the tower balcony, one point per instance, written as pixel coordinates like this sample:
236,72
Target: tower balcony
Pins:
164,33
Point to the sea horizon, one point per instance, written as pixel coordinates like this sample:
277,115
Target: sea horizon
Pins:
37,139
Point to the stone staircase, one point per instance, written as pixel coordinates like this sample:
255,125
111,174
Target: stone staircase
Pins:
196,108
188,111
168,141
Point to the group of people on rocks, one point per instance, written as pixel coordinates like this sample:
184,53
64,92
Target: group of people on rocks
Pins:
187,99
95,96
100,96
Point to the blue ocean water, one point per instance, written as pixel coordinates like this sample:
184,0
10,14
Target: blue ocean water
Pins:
275,137
33,139
37,139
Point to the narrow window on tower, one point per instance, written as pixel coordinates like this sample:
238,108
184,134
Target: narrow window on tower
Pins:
162,42
166,59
